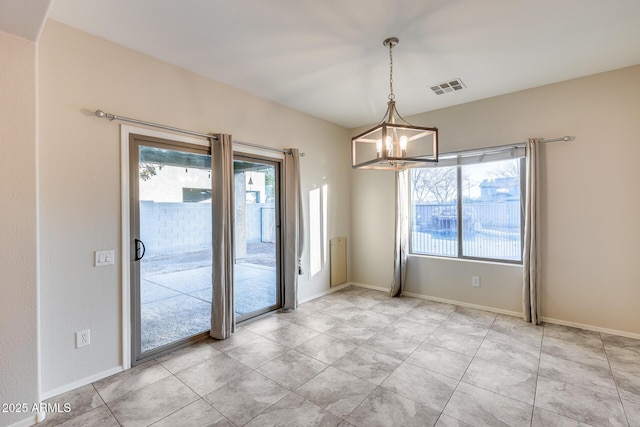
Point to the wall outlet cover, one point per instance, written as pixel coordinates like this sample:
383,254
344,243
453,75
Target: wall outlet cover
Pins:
83,338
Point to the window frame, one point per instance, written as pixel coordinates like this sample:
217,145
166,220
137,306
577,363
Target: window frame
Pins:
459,222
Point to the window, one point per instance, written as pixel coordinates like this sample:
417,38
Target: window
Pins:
469,210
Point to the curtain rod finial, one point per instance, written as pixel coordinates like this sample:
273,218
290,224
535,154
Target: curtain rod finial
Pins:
101,114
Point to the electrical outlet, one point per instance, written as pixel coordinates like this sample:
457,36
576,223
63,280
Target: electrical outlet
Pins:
83,338
475,281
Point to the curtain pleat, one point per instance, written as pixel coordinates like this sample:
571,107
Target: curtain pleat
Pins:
222,217
293,228
401,248
531,252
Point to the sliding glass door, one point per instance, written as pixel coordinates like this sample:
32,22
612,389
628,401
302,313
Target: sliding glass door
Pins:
171,244
257,286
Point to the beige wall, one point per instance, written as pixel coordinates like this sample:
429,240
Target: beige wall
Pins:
80,179
18,228
590,203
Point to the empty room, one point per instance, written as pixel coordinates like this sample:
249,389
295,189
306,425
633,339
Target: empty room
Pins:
304,213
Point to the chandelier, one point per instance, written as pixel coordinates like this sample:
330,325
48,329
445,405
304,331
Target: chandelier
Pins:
394,144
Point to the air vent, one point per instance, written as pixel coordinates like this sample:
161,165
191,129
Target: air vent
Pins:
448,86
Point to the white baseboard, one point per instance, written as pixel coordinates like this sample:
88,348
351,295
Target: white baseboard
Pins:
27,422
375,288
464,304
84,381
327,292
510,313
590,327
41,416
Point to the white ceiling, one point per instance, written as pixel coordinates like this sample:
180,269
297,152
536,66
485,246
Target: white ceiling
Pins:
23,18
325,57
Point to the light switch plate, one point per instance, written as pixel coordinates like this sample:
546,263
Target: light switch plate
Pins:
103,258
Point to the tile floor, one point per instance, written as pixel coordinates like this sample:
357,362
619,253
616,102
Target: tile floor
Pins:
358,358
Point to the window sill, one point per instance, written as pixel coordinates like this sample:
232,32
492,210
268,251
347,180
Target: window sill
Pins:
468,260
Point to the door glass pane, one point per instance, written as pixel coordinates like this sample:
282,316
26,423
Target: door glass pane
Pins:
175,228
256,240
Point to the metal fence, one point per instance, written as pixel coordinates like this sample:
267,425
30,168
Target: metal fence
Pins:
489,229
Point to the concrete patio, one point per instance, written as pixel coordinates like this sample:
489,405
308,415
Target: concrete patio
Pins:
175,293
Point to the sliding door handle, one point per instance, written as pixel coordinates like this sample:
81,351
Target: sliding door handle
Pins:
138,255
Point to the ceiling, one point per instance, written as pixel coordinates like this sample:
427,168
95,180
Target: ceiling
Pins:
24,18
325,57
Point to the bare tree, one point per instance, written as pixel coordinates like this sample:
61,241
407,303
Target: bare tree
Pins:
437,185
507,169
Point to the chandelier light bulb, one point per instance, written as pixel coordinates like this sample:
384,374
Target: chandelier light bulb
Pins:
404,140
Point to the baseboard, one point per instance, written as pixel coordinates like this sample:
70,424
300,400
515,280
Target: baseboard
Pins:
27,422
327,292
517,314
444,300
464,304
480,307
375,288
76,384
590,327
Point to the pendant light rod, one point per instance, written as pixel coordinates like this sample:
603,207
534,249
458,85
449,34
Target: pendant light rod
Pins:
391,42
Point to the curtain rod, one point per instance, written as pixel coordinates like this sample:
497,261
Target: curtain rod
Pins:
523,144
563,138
102,115
505,147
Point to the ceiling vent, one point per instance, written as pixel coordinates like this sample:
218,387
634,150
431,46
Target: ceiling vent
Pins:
448,86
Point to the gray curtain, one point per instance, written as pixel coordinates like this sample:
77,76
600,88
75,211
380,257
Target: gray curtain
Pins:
222,310
531,252
401,233
293,228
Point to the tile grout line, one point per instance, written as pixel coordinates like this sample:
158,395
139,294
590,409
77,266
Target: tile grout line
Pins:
196,393
535,390
604,348
573,361
106,405
202,397
467,368
456,387
396,318
290,390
